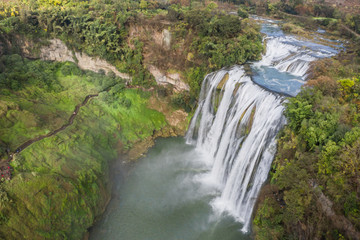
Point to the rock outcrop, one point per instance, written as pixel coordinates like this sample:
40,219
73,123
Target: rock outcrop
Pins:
159,51
173,79
58,51
166,39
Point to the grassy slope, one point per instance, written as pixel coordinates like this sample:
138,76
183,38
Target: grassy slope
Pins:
34,109
59,183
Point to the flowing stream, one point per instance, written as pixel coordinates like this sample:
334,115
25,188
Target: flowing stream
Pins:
205,186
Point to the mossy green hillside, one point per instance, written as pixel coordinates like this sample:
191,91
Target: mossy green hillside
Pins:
60,184
37,97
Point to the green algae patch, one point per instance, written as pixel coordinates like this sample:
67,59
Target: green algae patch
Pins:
236,89
220,92
244,129
223,81
249,126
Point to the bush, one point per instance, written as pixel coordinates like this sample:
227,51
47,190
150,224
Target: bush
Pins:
71,68
242,13
298,110
163,91
117,88
111,74
174,14
101,72
327,85
21,72
182,100
194,78
125,102
292,28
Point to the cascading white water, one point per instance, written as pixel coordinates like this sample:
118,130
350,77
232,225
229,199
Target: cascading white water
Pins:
237,124
286,57
236,121
284,66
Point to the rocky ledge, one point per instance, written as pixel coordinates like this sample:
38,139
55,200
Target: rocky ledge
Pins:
58,51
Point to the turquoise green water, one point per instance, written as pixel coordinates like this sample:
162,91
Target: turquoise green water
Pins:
163,199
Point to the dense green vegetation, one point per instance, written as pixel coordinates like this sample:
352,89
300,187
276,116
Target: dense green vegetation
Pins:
97,28
213,39
318,154
37,97
60,184
54,198
101,28
312,191
333,15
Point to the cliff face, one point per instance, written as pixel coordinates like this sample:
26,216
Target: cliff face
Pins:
164,55
58,51
166,78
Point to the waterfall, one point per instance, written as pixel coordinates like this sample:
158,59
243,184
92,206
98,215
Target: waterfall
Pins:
236,122
286,57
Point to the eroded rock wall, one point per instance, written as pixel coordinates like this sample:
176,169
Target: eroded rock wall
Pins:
173,79
164,61
58,51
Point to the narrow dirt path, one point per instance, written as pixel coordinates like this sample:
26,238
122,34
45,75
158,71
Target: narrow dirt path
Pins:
5,169
63,127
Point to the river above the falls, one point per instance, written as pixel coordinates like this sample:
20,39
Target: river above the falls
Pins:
205,187
164,199
283,68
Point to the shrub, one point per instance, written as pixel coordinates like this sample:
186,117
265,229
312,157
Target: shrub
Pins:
242,13
292,28
125,102
194,78
71,69
327,85
182,100
297,110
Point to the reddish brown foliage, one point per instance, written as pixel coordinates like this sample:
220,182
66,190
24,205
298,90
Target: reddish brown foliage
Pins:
320,68
304,10
181,2
325,84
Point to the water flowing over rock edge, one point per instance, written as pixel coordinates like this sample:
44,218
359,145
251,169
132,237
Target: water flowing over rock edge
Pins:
237,121
238,132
